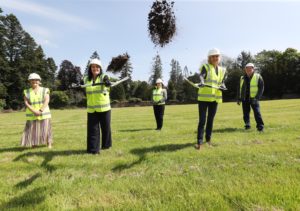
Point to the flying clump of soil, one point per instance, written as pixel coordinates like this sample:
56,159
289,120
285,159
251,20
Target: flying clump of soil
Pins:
117,63
161,22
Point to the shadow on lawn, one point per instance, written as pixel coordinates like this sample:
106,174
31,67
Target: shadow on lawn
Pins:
48,156
228,130
27,200
28,181
136,130
142,152
13,149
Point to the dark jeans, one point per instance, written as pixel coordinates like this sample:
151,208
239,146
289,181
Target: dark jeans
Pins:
95,121
211,109
159,111
257,115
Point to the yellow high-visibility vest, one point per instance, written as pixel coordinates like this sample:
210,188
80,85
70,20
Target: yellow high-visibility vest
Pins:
36,100
253,85
208,94
157,95
98,99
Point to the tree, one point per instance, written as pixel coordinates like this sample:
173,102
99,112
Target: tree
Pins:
126,71
156,71
95,55
175,87
243,59
143,91
68,74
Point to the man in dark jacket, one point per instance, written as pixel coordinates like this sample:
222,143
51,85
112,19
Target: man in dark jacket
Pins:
250,90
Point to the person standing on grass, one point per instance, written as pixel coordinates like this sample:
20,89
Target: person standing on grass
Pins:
159,97
98,108
250,91
209,98
38,125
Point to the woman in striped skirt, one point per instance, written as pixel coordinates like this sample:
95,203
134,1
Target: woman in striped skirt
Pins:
38,125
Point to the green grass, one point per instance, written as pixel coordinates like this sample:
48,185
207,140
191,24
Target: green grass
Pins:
150,170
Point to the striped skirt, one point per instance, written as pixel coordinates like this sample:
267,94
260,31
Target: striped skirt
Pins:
37,132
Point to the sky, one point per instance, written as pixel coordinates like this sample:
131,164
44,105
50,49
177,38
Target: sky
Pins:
74,29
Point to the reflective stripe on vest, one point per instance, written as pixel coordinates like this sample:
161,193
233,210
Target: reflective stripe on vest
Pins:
37,101
253,85
97,96
209,94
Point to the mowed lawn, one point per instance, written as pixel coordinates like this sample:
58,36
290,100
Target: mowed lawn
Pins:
150,170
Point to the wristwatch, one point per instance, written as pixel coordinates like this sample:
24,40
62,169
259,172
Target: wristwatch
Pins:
41,110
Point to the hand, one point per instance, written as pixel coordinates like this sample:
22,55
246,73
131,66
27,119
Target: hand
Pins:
223,87
200,85
37,113
107,83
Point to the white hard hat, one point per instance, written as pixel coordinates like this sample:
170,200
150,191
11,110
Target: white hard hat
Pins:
34,76
250,65
95,61
159,81
213,51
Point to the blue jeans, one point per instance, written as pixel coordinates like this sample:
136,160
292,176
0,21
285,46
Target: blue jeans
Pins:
247,105
211,109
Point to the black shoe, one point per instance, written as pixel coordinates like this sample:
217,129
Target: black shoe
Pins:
158,129
104,148
197,146
247,127
261,130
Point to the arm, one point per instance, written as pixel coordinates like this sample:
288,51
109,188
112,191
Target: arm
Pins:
165,96
203,74
27,104
260,88
46,102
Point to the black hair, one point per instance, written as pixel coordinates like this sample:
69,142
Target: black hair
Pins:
90,74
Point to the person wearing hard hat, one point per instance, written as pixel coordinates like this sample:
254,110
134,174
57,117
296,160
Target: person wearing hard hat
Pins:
211,75
38,125
251,88
159,97
98,108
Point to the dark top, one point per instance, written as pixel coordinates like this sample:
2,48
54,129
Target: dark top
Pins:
245,95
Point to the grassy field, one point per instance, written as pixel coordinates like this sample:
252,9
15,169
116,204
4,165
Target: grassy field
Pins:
150,170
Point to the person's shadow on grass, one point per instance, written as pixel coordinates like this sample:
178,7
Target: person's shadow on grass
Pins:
142,153
27,200
48,156
136,130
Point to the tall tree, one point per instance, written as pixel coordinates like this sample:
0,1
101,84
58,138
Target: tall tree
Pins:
156,71
68,74
127,71
244,58
175,83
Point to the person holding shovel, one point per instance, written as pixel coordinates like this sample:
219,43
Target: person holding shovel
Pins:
250,91
98,108
38,129
159,97
209,95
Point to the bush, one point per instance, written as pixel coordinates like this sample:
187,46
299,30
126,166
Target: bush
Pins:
115,101
135,100
59,99
2,104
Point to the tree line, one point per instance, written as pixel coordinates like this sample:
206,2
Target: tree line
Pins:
20,55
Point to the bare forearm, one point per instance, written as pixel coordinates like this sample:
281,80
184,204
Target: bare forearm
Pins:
46,103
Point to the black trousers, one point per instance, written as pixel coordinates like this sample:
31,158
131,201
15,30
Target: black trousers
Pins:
96,121
247,105
159,111
211,109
